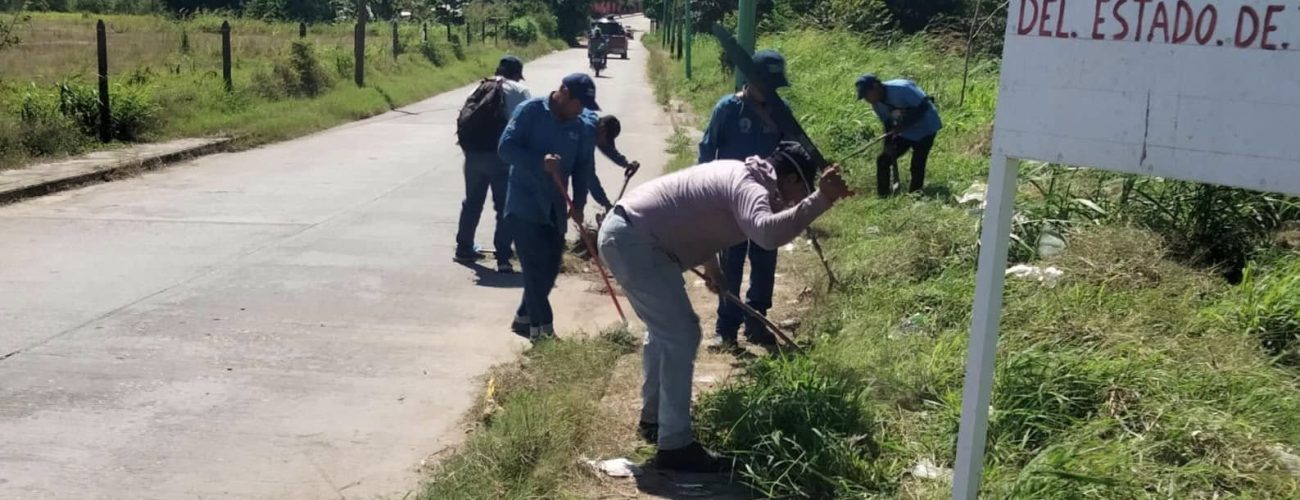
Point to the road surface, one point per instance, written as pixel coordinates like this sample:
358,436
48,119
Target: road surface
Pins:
284,322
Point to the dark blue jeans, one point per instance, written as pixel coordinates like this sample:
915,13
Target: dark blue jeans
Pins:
541,247
483,171
762,277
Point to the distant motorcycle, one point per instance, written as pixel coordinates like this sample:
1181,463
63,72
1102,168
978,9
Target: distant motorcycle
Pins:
597,62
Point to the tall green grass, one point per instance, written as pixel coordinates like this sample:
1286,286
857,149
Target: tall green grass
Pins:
1143,373
282,87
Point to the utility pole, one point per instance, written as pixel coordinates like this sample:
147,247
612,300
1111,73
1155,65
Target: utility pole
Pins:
688,27
745,32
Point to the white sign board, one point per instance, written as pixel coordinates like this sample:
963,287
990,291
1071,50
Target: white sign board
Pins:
1197,90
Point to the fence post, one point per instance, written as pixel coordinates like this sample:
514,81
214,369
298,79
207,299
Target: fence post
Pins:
302,30
482,37
105,117
686,26
396,45
448,25
359,45
469,34
225,55
424,32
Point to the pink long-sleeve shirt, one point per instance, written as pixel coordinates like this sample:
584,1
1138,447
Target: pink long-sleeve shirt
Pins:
696,213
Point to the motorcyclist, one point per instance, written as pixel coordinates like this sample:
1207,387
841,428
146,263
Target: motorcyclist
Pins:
597,46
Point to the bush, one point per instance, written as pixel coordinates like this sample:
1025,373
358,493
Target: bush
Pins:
132,110
795,431
431,52
522,31
1267,307
44,130
457,49
300,76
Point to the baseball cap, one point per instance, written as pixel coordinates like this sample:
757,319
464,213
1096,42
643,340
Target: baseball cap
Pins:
511,67
866,82
582,88
771,65
794,155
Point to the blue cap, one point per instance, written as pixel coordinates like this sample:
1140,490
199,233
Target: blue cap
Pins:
511,67
866,82
771,65
583,89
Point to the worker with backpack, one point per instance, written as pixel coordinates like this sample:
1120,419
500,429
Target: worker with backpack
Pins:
478,130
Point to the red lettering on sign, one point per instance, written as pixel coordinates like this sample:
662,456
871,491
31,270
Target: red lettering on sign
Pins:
1097,21
1160,21
1269,27
1142,11
1060,22
1022,28
1205,29
1042,21
1123,23
1183,21
1246,10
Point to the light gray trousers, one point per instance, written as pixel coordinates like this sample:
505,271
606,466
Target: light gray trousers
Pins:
654,285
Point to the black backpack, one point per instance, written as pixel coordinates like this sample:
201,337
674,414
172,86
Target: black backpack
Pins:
483,118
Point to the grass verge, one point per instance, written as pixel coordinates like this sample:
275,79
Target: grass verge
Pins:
166,80
1142,373
536,421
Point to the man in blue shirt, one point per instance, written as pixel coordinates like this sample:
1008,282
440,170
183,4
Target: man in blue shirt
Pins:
546,139
910,120
608,129
741,127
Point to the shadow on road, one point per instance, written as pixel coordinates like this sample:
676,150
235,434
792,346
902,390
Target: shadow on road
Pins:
485,276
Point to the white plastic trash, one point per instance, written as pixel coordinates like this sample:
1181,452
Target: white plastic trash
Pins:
1048,276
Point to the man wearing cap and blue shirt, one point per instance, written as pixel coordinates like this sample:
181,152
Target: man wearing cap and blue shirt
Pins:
546,138
484,170
911,122
742,127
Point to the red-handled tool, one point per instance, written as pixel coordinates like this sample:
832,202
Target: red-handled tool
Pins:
591,247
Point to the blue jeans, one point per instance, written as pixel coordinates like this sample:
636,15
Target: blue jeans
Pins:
483,171
541,247
762,277
654,285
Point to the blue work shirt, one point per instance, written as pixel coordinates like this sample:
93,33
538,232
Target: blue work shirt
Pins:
904,95
533,133
737,131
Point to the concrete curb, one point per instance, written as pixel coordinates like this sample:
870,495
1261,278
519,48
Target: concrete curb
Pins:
114,170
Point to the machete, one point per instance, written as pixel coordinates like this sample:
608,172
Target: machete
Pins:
784,120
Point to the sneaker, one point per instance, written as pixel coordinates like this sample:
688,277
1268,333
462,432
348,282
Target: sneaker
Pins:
724,345
505,267
536,333
649,432
470,257
692,458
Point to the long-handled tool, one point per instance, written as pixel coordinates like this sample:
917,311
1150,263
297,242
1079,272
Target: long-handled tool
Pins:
732,298
627,176
591,247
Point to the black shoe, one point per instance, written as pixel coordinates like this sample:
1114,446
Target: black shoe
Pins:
520,329
765,340
468,257
505,267
692,458
649,432
724,345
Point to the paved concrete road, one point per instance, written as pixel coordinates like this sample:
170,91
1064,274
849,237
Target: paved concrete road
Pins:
279,323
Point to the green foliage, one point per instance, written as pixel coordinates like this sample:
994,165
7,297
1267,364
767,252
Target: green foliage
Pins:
794,431
1116,383
301,75
544,410
43,129
432,52
1267,307
456,48
523,31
